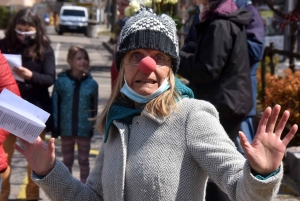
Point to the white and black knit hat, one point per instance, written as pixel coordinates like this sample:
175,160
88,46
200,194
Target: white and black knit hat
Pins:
146,30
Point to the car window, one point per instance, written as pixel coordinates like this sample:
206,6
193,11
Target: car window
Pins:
79,13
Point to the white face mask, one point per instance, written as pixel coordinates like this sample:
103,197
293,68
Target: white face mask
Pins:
28,36
127,91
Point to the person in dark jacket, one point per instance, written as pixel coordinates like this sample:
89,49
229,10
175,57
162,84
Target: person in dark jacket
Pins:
192,33
122,18
7,81
191,38
26,36
255,38
75,102
219,70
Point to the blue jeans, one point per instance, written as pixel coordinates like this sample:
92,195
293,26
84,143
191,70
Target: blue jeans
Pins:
248,129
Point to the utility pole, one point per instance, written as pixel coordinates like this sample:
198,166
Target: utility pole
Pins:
108,14
291,33
100,11
11,8
289,6
114,15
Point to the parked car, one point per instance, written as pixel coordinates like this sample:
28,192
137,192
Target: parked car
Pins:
73,19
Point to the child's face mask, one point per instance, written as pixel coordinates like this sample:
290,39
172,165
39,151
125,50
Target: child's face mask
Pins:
25,37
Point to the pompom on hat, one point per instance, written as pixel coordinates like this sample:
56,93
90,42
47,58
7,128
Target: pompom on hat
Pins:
146,30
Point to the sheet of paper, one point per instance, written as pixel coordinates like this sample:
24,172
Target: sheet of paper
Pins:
20,117
19,123
14,61
23,105
23,113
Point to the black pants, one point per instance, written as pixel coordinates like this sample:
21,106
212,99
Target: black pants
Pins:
213,192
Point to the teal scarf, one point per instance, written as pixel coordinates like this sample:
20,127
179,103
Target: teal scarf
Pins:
123,112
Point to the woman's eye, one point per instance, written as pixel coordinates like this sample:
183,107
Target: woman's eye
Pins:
159,57
136,56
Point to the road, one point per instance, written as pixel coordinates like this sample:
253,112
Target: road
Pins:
100,69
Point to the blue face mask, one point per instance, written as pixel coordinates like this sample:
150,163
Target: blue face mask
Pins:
127,91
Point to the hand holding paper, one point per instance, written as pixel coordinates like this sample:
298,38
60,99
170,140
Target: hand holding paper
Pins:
14,61
20,117
23,73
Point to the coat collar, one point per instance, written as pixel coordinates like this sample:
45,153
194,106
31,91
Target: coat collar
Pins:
124,111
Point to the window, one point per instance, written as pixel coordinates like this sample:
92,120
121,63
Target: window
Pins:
79,13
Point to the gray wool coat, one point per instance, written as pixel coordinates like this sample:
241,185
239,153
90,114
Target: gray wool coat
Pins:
164,159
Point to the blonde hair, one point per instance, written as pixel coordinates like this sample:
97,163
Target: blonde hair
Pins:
160,106
73,50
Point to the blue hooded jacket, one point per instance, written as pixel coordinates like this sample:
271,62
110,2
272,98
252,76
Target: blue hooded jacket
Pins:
74,103
255,38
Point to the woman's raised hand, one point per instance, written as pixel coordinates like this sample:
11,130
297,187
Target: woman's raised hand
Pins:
267,149
39,155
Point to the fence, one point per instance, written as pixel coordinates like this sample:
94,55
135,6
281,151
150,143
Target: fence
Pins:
270,52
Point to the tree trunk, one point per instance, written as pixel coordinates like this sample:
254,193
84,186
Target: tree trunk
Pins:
293,43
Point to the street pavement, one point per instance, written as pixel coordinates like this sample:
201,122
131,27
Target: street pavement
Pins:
100,63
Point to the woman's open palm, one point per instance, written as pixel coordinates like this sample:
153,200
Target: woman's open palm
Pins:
267,149
39,155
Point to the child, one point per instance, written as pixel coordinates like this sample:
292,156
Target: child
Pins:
75,101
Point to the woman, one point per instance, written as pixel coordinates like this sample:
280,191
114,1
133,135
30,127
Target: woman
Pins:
25,35
160,143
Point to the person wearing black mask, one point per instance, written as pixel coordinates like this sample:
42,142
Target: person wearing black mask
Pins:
25,35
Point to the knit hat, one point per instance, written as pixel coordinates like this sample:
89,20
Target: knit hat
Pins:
146,30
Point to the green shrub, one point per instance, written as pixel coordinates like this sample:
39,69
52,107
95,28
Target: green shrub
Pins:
284,91
4,17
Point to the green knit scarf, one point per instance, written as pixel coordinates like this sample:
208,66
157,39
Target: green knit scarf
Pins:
123,112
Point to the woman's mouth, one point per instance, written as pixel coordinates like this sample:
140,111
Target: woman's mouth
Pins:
146,81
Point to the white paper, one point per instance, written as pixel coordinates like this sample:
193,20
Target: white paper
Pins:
20,117
23,105
14,61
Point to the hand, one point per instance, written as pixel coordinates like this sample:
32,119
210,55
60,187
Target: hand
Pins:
39,155
23,72
267,149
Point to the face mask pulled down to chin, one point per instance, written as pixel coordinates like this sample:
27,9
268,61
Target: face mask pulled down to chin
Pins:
27,36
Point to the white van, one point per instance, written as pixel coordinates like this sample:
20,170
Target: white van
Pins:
73,19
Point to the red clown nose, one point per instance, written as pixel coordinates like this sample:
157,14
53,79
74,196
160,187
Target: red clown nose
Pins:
147,65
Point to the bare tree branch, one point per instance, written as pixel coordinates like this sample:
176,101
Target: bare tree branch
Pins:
276,11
